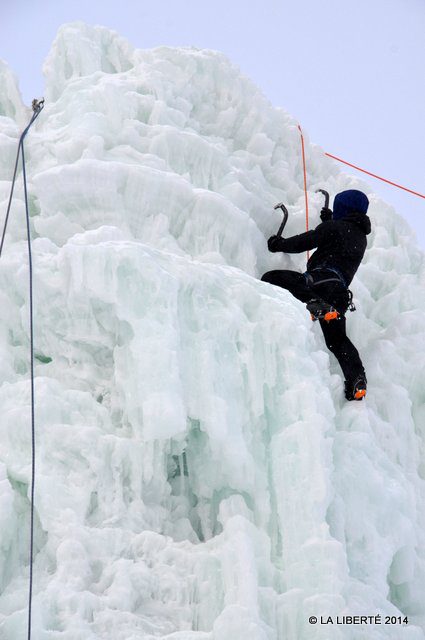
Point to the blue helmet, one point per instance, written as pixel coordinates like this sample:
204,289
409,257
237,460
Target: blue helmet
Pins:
349,202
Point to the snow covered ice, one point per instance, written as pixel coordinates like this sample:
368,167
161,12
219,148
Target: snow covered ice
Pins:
199,475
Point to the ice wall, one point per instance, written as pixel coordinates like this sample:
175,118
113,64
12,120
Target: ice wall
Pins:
199,475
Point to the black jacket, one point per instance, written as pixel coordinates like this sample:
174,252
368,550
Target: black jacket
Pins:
340,244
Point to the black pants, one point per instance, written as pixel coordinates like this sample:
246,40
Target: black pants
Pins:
334,331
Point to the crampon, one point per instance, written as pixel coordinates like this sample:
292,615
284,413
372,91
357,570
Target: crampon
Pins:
355,390
321,310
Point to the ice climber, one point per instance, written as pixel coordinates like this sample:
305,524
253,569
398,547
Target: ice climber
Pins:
340,242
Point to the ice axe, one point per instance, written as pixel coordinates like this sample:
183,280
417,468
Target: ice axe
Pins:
326,194
280,205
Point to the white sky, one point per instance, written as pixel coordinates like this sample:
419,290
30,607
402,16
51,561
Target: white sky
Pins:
350,71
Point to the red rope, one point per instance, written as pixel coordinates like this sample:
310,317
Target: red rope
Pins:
305,184
394,184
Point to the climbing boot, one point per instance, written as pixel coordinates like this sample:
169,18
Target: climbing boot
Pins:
321,310
355,390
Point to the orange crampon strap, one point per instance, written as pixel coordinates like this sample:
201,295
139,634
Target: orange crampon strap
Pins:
331,315
359,394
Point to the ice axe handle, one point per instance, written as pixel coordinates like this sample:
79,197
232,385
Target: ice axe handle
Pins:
285,218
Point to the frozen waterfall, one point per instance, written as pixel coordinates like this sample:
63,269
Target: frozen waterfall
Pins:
199,474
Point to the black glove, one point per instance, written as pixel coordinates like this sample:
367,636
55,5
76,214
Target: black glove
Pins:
274,244
325,214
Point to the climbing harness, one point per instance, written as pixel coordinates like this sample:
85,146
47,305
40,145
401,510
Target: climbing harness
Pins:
324,310
337,278
337,273
37,107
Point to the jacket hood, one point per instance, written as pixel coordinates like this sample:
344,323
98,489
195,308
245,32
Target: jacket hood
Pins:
348,201
359,219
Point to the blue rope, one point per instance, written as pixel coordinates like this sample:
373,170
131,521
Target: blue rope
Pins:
11,196
32,392
37,107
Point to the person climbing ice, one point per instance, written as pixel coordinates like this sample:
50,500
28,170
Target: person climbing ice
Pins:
340,242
